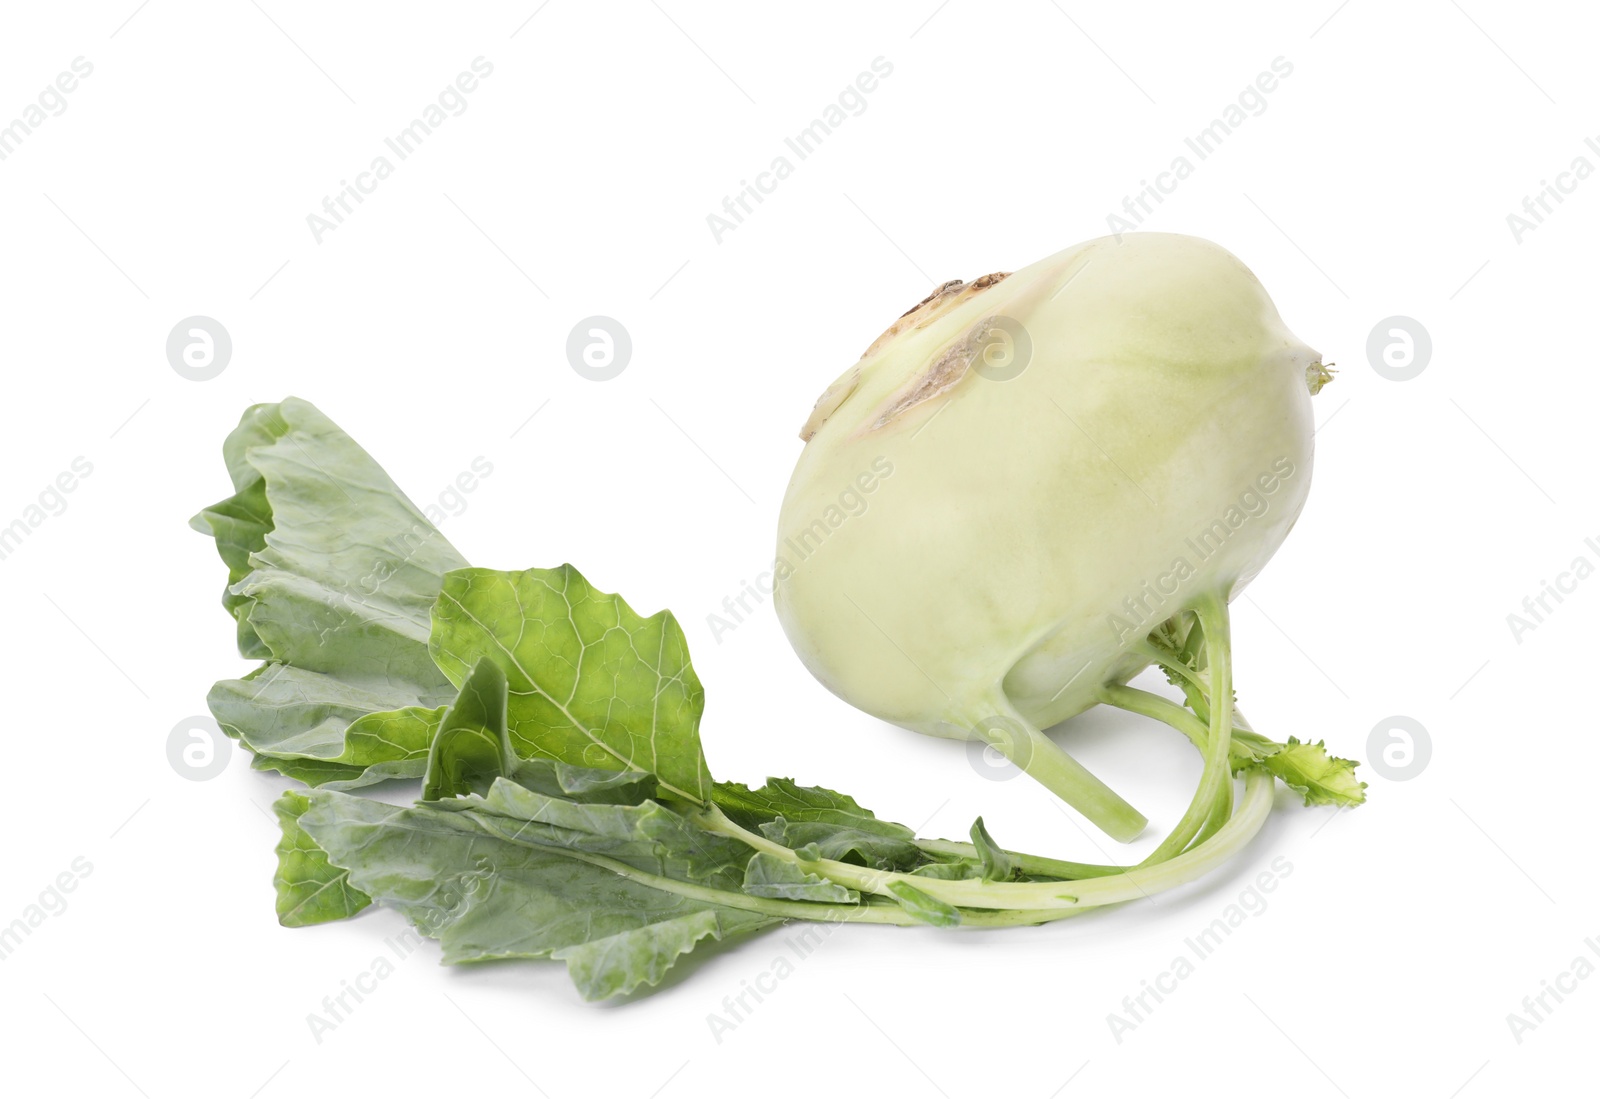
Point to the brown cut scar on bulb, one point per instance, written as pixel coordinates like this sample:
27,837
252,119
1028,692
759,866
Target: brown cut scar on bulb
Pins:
941,376
944,297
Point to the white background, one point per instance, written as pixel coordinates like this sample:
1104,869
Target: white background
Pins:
432,324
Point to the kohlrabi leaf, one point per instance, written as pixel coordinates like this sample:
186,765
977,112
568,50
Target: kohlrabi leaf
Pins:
769,876
336,776
1306,768
954,870
552,778
870,842
471,748
584,784
310,890
421,861
1320,778
620,963
592,683
648,836
332,578
995,861
831,824
344,579
783,797
484,896
923,907
323,730
240,525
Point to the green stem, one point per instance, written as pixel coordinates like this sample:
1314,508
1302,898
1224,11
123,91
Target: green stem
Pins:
867,912
1151,705
1036,865
1214,790
1169,661
1218,816
1161,709
1141,881
1011,734
1195,692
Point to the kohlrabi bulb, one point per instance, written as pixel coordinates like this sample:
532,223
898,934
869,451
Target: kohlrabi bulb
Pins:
1028,474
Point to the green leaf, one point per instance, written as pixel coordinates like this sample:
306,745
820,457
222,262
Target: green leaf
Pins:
1308,769
240,523
996,862
585,784
961,869
833,823
323,730
332,575
1320,778
648,836
486,897
471,748
769,876
879,845
344,580
620,963
783,797
592,683
335,569
923,907
310,890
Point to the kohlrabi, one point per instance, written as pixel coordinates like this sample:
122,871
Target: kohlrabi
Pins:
1074,468
1029,489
